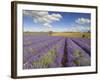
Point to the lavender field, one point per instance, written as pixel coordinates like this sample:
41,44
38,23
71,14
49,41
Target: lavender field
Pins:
55,51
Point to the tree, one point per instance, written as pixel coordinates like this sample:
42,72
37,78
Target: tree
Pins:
50,33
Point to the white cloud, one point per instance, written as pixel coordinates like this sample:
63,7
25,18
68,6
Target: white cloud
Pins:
43,17
77,28
34,29
82,21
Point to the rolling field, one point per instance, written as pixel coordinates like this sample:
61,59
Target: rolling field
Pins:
44,50
64,34
71,34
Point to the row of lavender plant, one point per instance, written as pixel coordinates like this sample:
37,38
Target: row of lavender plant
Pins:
49,52
47,55
76,56
40,47
34,39
45,58
84,40
83,43
59,49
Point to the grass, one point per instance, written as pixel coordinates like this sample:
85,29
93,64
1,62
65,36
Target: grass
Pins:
72,34
64,34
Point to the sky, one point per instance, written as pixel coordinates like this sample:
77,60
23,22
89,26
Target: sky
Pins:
43,21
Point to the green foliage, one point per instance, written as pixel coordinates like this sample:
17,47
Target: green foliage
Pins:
80,59
46,60
76,53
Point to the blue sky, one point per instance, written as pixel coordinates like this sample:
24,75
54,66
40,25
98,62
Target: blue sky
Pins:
37,21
